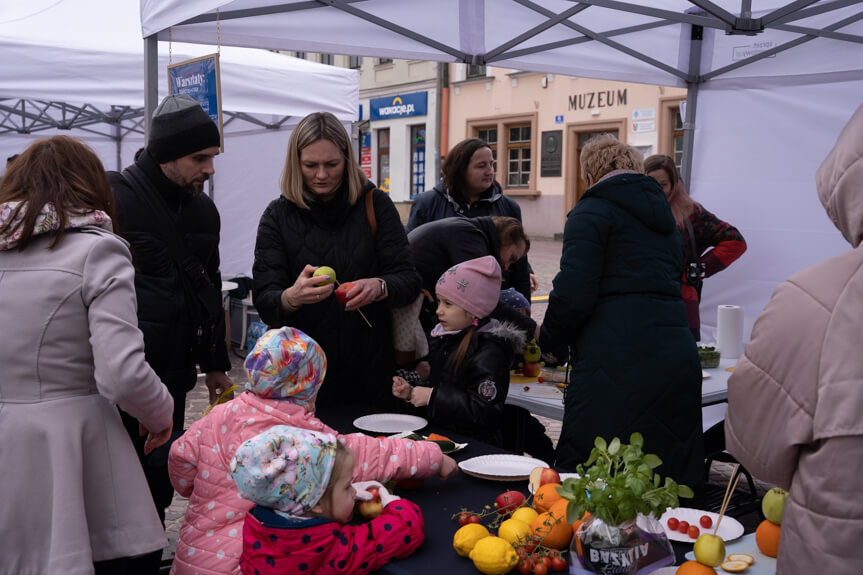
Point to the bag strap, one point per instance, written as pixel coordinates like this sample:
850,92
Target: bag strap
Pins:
691,232
370,212
187,263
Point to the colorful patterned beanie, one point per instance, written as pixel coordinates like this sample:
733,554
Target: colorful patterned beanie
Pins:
286,364
285,468
473,285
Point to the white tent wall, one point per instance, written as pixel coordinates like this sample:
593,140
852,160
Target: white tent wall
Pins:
756,153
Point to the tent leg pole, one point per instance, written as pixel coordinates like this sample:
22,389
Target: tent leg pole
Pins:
693,84
151,80
118,139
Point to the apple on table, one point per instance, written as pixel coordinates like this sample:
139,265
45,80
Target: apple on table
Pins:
539,476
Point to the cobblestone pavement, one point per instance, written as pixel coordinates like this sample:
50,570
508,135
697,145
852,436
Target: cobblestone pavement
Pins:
545,260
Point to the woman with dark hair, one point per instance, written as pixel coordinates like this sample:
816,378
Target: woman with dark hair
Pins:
76,497
330,215
616,305
709,244
468,189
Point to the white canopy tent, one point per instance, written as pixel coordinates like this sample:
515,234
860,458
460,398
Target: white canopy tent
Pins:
76,67
771,83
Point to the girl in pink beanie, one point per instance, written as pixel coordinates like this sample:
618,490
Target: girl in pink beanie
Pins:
285,371
470,354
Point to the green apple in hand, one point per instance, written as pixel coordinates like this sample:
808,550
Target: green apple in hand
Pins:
325,271
773,504
709,549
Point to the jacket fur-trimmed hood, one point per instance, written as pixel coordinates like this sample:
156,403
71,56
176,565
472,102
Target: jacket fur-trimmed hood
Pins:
507,331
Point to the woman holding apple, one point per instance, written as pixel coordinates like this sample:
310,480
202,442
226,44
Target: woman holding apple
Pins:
329,214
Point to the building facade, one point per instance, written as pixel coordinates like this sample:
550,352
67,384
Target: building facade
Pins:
536,125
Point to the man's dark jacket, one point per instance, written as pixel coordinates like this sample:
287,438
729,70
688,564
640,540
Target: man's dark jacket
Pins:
437,204
164,314
616,301
336,234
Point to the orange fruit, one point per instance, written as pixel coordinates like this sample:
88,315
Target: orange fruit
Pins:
767,538
546,496
694,568
552,529
735,566
559,507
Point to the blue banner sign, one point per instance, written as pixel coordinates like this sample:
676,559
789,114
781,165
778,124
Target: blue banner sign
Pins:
400,106
198,79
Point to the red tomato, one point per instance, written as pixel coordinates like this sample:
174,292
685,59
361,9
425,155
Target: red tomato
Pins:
553,553
473,519
558,564
540,379
706,521
673,523
463,518
683,527
540,569
525,567
694,531
546,560
521,552
527,388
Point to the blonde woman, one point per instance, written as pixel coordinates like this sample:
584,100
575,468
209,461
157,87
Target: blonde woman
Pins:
616,303
330,215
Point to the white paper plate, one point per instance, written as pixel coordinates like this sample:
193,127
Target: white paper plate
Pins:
563,477
389,422
501,466
729,529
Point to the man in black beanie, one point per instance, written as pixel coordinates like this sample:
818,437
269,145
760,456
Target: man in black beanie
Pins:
173,230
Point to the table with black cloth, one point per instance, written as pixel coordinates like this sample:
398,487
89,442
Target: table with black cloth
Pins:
439,500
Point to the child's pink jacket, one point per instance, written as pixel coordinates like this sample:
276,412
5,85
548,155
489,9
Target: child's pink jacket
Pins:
211,534
324,547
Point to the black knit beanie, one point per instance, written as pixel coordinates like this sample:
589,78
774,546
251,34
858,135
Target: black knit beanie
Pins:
180,127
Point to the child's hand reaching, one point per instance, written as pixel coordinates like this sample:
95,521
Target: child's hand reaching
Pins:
363,494
401,388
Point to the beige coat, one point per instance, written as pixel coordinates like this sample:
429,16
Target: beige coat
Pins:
73,489
795,401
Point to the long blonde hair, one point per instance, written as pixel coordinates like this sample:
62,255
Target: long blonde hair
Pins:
314,127
681,204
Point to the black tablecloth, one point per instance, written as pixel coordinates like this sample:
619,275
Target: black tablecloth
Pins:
438,499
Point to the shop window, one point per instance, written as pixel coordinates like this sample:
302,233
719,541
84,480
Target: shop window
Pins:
327,59
519,156
474,71
355,62
384,159
418,159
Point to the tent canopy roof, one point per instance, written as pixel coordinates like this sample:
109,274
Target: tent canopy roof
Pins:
642,41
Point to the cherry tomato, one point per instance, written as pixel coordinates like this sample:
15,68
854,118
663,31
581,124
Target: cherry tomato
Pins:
558,564
546,560
683,527
525,567
553,553
521,552
673,522
527,388
473,519
540,379
706,521
694,531
463,518
540,569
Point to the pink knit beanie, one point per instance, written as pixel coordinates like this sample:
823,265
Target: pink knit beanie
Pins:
473,285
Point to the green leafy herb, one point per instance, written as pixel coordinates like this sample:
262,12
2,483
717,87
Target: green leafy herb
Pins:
617,483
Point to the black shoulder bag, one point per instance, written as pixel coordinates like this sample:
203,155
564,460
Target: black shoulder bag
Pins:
204,297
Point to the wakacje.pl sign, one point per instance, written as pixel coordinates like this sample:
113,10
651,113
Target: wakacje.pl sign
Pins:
400,106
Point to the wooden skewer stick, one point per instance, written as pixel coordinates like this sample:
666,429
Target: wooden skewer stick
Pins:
365,319
729,491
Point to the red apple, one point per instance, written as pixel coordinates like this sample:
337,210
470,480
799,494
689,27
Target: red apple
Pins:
373,507
508,502
539,476
530,369
342,292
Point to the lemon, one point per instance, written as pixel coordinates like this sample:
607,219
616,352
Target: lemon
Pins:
526,514
466,537
493,556
513,529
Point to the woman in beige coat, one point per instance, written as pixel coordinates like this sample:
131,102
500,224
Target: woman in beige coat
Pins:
74,497
795,401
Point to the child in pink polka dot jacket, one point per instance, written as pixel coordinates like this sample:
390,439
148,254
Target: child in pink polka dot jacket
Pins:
300,482
285,370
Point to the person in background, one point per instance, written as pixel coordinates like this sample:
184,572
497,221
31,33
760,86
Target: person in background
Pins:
470,354
616,305
285,371
76,499
300,483
160,197
468,189
795,397
330,215
709,244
